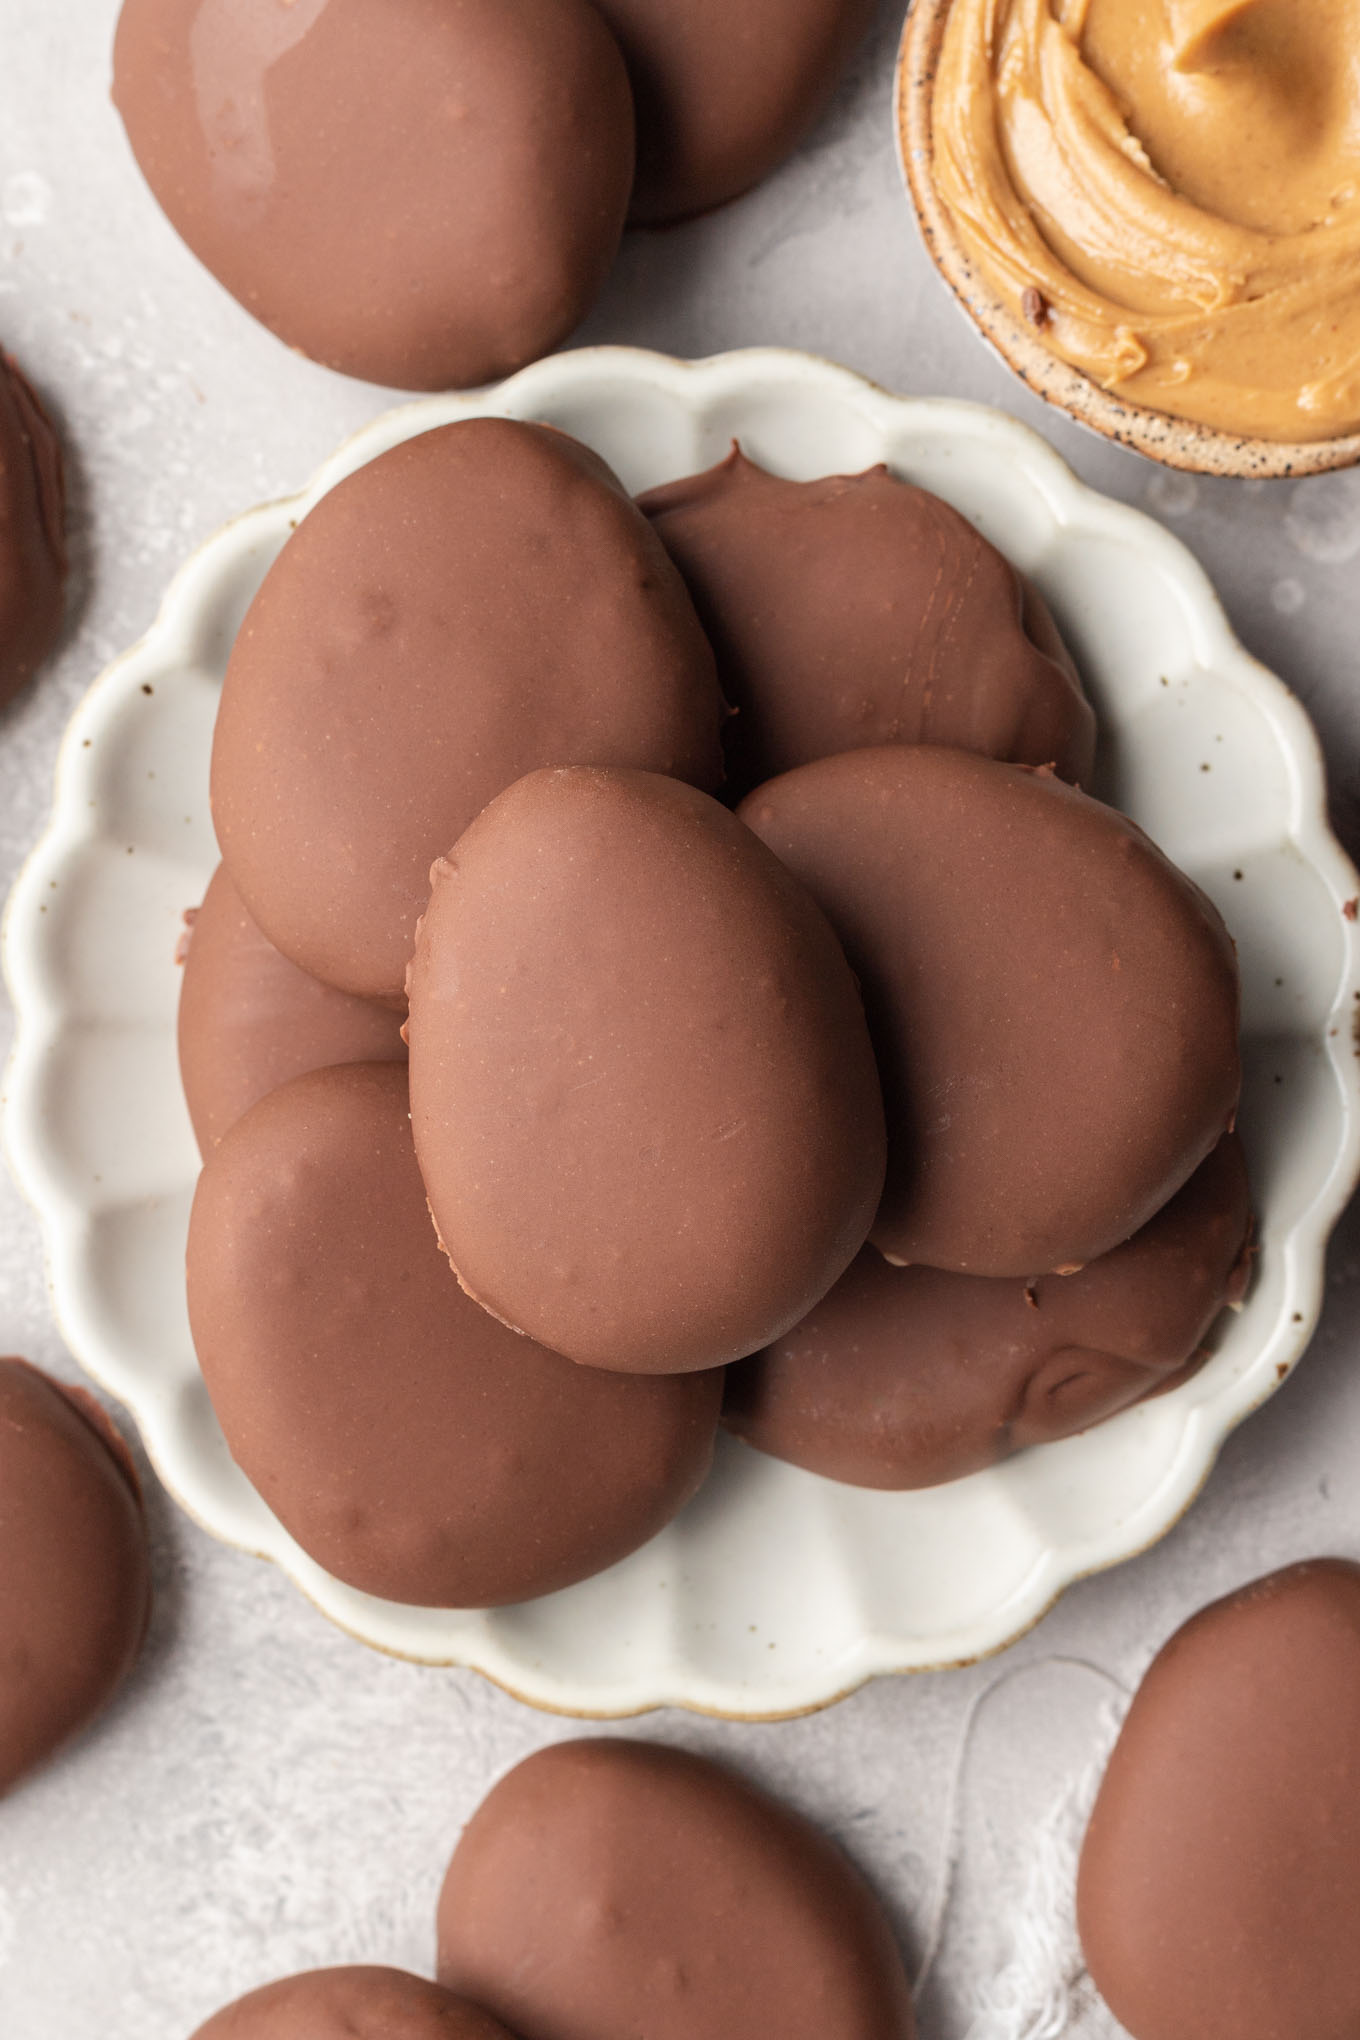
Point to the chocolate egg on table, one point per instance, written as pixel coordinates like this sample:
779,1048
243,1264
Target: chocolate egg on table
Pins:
75,1582
608,1889
859,610
1219,1886
480,600
412,1445
32,547
417,193
360,2003
642,1090
249,1020
1053,1004
905,1377
725,89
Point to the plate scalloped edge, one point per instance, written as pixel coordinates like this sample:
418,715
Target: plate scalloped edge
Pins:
643,1634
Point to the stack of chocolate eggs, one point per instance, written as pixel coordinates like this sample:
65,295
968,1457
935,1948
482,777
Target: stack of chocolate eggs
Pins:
792,1042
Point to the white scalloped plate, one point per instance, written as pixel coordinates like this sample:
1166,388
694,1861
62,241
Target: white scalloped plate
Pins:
775,1591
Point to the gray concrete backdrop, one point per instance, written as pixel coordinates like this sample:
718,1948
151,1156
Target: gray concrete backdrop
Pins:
267,1794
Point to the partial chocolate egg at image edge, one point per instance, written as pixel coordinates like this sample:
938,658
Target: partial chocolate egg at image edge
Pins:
1219,1881
358,2002
702,1617
611,1887
725,89
75,1576
32,531
476,245
1175,442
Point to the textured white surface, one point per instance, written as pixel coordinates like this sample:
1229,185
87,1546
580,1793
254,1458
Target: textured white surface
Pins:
268,1794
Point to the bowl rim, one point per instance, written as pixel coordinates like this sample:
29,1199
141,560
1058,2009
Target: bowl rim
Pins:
40,1018
1158,435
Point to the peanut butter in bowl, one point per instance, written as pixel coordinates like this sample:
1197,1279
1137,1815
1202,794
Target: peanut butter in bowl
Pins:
1161,195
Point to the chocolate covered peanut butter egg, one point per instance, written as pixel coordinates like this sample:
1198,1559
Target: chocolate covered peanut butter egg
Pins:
1053,1004
905,1377
725,89
478,601
359,2003
1219,1886
606,1890
249,1020
75,1583
426,193
412,1445
32,546
859,610
643,1093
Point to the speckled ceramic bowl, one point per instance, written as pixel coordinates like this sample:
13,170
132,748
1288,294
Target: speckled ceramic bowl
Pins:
1176,442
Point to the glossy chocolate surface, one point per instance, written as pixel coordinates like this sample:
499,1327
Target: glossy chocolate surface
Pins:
1220,1877
607,1889
1053,1004
419,194
725,89
859,610
905,1377
358,2003
479,601
249,1020
75,1585
643,1093
32,546
412,1445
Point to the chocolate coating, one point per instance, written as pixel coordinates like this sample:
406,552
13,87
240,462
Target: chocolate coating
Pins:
642,1090
608,1889
1220,1877
423,194
32,546
411,1444
858,610
1053,1004
249,1020
481,600
360,2003
75,1581
725,89
905,1377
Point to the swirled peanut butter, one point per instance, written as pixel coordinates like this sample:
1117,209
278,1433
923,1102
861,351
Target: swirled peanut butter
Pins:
1169,192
